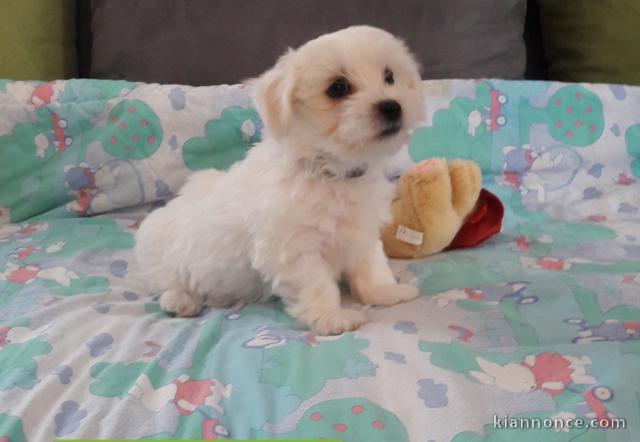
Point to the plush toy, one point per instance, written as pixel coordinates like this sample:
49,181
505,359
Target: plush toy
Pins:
440,204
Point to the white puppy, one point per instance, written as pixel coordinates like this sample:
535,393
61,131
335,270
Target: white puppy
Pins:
306,205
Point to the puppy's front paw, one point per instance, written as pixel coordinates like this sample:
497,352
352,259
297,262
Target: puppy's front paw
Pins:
390,294
338,321
180,303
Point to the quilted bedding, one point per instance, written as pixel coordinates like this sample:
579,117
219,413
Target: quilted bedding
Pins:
541,322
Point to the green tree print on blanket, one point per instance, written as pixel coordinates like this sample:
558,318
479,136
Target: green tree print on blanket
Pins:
18,367
133,131
573,116
226,140
11,429
632,138
329,359
349,420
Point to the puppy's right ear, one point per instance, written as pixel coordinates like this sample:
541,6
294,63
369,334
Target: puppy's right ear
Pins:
272,94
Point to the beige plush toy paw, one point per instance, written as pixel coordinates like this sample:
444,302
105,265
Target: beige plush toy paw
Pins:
433,198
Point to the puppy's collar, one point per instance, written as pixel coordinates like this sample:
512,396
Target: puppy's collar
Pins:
321,166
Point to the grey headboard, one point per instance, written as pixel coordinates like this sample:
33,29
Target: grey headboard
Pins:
225,41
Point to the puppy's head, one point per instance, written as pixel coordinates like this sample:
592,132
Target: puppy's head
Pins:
354,94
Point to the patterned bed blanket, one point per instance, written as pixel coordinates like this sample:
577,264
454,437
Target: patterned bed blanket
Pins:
537,327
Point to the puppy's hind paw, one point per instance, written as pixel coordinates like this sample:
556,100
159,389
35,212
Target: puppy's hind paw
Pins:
337,321
180,303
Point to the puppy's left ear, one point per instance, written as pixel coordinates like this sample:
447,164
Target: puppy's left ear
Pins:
272,94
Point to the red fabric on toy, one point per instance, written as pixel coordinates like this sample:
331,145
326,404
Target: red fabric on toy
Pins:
484,222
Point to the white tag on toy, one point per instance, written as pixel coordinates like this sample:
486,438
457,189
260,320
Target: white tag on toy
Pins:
408,235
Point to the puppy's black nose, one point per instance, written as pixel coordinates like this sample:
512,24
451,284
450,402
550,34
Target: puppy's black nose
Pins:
390,110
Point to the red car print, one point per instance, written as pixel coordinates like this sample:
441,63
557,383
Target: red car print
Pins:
595,399
4,340
464,334
60,140
213,430
593,406
496,119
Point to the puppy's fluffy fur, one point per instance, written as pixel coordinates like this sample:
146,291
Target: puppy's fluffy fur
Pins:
297,214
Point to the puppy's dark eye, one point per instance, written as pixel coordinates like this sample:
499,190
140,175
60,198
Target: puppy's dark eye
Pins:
388,76
339,88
